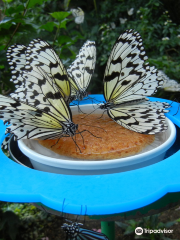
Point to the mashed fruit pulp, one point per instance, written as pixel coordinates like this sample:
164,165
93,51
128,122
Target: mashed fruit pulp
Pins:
104,139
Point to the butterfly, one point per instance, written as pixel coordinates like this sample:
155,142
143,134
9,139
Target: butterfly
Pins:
72,85
74,231
16,57
127,82
78,14
40,54
81,70
49,119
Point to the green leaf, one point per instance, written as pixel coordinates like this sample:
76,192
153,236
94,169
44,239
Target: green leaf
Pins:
122,225
129,230
7,1
64,39
32,3
49,26
2,47
132,222
63,24
10,11
60,15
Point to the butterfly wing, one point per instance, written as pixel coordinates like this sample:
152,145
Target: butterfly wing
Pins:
39,53
81,70
86,234
145,117
127,83
127,77
50,118
16,57
4,144
28,122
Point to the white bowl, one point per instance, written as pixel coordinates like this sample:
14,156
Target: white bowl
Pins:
46,160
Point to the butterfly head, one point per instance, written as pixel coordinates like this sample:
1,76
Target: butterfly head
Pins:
70,129
80,95
71,229
105,105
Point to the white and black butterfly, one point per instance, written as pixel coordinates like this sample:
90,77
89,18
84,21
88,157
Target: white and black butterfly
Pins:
127,82
74,231
39,53
81,70
78,14
49,119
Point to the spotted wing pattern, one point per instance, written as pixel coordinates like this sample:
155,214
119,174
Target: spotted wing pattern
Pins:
146,117
16,57
128,80
39,53
81,70
49,119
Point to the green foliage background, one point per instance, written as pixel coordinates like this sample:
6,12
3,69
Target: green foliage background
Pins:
51,20
21,21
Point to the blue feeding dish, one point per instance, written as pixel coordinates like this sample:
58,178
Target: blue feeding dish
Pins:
100,195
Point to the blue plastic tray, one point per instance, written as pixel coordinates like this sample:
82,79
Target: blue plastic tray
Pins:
99,194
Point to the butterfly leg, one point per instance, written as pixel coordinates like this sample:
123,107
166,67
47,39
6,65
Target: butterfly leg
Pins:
76,144
88,132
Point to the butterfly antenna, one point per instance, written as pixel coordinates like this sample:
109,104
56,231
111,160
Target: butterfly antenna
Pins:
82,137
176,100
102,115
93,99
63,207
90,113
85,213
79,214
177,110
79,109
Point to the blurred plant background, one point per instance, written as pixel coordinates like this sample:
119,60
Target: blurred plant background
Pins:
51,20
157,22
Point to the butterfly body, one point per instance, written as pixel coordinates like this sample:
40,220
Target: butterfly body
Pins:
80,95
81,70
70,129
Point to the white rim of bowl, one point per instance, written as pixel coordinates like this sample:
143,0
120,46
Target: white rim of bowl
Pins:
79,164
